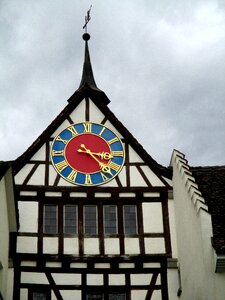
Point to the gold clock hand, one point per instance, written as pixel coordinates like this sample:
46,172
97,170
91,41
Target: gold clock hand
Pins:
102,155
102,166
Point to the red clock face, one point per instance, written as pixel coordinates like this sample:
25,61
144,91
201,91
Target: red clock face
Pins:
87,154
77,156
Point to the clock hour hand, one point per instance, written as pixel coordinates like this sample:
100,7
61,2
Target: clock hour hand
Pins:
102,155
102,166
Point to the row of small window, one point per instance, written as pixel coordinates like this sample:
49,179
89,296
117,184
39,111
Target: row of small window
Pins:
91,296
90,217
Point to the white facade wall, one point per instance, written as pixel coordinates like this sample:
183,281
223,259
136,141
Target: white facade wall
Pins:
196,255
7,224
4,238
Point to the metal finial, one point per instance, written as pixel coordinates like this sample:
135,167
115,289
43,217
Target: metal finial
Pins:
87,19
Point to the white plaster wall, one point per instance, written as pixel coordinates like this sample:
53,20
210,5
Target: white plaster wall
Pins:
195,252
78,115
7,225
133,156
22,174
154,245
28,216
40,154
10,284
139,294
140,279
91,246
152,177
95,114
116,279
136,178
173,284
131,245
112,246
152,217
33,277
50,245
26,244
24,294
94,279
4,238
68,295
71,246
67,279
172,225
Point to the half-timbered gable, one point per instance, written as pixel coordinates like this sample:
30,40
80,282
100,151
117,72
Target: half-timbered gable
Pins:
82,240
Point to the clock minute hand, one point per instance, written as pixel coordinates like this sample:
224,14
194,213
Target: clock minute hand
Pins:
102,155
102,166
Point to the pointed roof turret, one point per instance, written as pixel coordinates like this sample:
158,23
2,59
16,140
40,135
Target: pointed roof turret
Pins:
87,76
87,80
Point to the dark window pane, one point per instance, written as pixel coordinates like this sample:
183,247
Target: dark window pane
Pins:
94,297
130,219
110,219
50,218
90,219
117,297
39,296
70,219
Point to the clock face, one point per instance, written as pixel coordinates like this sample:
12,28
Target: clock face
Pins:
87,154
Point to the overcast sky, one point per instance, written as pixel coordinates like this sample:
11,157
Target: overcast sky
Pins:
161,63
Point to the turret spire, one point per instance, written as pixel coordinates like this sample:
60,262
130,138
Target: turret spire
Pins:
87,84
87,76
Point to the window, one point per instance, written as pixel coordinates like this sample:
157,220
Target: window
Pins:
130,219
70,219
69,224
117,297
99,296
94,297
90,220
110,219
39,296
50,218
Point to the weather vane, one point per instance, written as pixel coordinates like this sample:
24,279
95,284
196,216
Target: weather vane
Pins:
87,19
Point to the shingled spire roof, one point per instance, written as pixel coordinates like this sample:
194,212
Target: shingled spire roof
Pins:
87,80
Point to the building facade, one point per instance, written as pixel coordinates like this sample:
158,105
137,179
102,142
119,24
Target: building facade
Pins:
89,214
93,208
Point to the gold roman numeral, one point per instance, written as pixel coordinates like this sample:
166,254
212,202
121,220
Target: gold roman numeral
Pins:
88,179
57,153
72,130
104,177
115,139
101,132
61,140
117,153
61,165
114,166
87,127
72,176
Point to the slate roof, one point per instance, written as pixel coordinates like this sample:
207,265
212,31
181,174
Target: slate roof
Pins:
211,183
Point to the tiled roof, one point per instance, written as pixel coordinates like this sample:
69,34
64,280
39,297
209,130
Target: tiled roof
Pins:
211,182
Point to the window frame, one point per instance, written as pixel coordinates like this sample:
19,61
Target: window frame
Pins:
125,220
39,289
116,220
56,219
84,220
75,219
